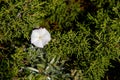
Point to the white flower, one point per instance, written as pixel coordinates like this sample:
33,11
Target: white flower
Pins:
40,37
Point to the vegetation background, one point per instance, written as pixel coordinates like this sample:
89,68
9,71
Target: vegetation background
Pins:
85,41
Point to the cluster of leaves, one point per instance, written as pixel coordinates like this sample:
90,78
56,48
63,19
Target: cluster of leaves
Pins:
85,38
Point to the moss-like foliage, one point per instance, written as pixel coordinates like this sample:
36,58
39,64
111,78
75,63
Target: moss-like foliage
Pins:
85,39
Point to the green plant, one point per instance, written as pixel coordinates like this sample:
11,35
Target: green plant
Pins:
83,41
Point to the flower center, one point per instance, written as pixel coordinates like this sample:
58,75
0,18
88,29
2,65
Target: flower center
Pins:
40,37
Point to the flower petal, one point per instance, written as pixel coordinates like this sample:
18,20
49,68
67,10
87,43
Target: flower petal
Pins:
34,36
42,31
38,43
46,39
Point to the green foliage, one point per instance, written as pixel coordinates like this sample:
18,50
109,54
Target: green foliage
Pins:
83,41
